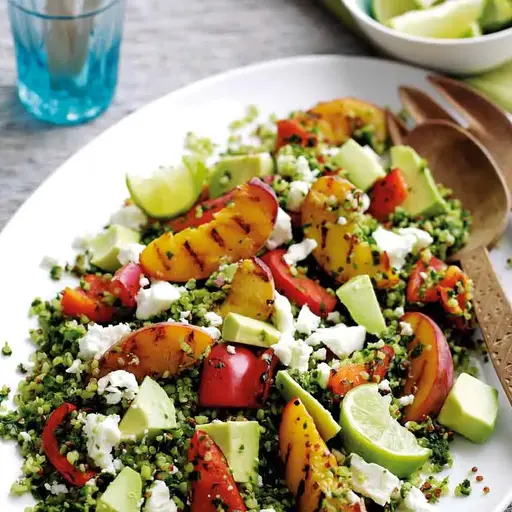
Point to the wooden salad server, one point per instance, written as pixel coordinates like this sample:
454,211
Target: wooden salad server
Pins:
460,162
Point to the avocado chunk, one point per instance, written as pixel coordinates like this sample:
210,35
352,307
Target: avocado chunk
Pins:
362,166
290,389
105,246
471,409
242,329
150,413
124,494
423,196
232,171
239,441
497,14
358,296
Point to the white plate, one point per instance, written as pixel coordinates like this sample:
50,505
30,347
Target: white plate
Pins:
80,196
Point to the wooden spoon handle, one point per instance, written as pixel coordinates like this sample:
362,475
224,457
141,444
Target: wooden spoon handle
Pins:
493,311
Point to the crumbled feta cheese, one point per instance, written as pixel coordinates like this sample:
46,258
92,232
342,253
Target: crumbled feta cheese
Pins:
81,242
230,349
341,221
307,322
320,354
303,171
118,465
103,435
396,246
384,386
365,202
399,311
160,499
372,480
334,317
213,319
282,316
404,401
282,232
75,367
324,373
56,488
130,253
48,262
143,281
212,331
157,298
293,353
117,385
296,195
184,315
423,275
422,238
407,329
340,339
25,436
353,498
99,339
130,216
415,501
299,252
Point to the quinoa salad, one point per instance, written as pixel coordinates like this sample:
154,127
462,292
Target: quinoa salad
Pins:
274,324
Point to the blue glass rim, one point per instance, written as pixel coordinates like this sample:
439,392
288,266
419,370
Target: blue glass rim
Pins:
41,15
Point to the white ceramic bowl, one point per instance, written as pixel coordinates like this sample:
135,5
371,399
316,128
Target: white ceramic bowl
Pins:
457,56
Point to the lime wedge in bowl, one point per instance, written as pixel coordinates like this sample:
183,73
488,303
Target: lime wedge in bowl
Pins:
368,429
384,10
168,191
450,20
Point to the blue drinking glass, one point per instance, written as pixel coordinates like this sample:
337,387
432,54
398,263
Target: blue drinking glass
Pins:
67,55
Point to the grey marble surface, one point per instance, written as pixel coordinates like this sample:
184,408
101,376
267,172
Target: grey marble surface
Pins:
167,44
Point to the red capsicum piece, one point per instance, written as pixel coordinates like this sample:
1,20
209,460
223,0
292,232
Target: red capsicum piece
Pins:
240,380
77,302
300,289
291,131
415,291
387,193
126,283
52,449
213,487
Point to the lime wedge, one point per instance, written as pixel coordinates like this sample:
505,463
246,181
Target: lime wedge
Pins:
169,191
474,30
450,20
368,429
384,10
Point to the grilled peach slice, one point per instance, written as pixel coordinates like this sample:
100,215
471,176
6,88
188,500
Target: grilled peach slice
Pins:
237,231
340,251
252,291
157,349
310,466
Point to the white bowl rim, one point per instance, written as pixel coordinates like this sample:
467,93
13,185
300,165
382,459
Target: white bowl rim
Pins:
364,17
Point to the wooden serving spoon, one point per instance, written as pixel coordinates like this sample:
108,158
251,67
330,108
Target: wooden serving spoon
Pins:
460,162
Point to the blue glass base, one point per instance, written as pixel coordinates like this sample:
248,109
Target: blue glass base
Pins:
58,111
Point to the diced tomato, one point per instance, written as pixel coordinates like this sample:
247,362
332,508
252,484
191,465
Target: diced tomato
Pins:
213,487
77,302
126,283
387,193
355,374
415,293
454,285
291,131
301,290
242,379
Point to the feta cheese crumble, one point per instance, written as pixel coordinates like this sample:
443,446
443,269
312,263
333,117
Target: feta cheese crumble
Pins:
422,238
130,253
334,317
282,316
131,217
415,501
103,435
293,353
56,488
324,373
99,339
282,232
384,386
117,385
404,401
230,349
341,221
320,354
372,480
300,251
307,322
406,329
157,298
296,195
75,367
213,319
340,339
396,246
160,499
212,331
